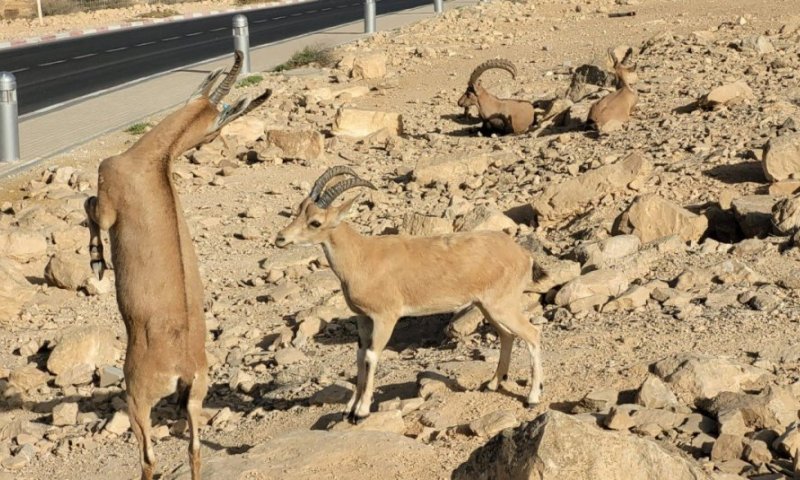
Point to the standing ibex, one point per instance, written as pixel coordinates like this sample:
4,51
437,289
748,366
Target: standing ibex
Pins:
499,115
385,278
159,291
611,111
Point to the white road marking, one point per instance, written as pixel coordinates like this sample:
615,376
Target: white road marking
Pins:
278,18
20,70
84,56
116,49
326,9
51,63
296,14
260,21
218,29
311,11
193,34
144,44
169,39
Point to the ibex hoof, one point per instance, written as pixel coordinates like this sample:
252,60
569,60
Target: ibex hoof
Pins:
98,267
356,419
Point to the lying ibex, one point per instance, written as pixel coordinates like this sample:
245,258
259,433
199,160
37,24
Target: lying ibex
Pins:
499,115
611,111
159,291
388,277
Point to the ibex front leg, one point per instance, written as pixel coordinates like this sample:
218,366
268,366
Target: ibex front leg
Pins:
97,259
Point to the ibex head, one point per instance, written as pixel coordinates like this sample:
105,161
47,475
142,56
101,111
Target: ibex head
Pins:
626,73
200,121
474,88
316,215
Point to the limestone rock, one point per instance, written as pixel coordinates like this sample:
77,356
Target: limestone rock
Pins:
352,122
693,377
344,455
337,392
727,94
557,446
91,345
68,270
550,272
754,214
485,218
773,408
607,283
27,377
782,158
22,245
119,423
65,414
246,130
15,290
390,421
786,215
655,394
299,144
493,423
465,323
651,217
727,447
452,169
368,67
602,252
424,225
564,199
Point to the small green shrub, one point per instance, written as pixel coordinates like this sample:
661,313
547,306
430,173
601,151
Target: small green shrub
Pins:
138,128
316,54
250,81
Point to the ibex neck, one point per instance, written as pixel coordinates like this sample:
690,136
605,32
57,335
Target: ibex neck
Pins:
343,249
168,139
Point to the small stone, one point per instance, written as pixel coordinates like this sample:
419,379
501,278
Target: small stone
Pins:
79,374
493,423
27,377
65,414
727,447
655,394
598,400
336,393
110,376
288,356
119,423
619,420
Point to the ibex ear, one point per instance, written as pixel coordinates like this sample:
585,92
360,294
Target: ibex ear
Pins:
343,211
206,85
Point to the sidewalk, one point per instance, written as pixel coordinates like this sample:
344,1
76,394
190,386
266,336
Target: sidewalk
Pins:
45,135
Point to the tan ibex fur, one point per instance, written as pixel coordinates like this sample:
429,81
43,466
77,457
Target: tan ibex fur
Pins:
499,115
159,291
388,277
611,111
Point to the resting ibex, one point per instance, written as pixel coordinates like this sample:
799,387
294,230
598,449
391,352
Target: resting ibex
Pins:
499,115
159,291
388,277
611,111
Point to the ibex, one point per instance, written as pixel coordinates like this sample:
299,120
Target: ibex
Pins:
499,115
611,111
388,277
159,291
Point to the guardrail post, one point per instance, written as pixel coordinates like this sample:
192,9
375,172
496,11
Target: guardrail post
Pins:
438,6
241,41
9,120
369,16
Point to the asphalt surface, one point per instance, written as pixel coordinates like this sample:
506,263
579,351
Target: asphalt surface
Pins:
55,72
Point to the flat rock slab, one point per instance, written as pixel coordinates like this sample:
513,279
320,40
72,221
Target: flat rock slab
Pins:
348,455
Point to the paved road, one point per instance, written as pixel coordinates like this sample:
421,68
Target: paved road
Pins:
55,72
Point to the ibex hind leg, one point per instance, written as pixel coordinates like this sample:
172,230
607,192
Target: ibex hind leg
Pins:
139,413
194,409
364,332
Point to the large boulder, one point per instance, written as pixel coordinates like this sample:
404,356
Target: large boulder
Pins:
68,270
754,214
90,345
651,217
353,122
368,67
299,144
786,215
782,158
695,378
599,283
728,94
566,198
343,455
453,169
558,446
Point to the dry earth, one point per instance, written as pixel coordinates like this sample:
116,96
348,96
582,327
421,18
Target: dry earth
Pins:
702,282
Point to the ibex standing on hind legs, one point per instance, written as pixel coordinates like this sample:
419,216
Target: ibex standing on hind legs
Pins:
159,291
388,277
499,115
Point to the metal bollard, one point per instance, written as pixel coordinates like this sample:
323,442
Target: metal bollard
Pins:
9,121
369,16
241,41
438,6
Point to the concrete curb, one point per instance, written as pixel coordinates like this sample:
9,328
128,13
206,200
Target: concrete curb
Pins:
23,42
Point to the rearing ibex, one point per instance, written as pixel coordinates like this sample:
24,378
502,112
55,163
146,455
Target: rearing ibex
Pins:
159,291
388,277
499,115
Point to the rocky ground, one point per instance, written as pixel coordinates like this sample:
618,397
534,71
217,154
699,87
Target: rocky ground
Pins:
665,278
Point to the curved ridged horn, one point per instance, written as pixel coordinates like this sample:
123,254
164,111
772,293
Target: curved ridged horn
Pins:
500,63
330,195
227,83
326,177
